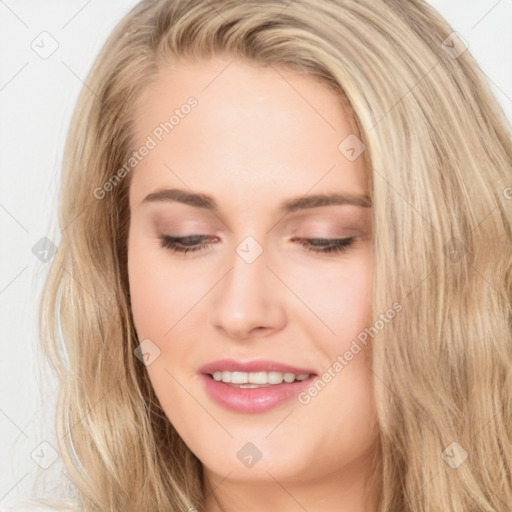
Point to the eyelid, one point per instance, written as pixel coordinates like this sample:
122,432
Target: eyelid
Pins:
326,247
338,233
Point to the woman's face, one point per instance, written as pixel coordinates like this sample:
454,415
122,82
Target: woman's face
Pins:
259,143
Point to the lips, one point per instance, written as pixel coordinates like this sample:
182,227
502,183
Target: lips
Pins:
260,365
253,399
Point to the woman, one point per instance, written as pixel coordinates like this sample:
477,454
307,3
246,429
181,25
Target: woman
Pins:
284,277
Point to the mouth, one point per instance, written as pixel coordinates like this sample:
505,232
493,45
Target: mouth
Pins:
257,379
253,387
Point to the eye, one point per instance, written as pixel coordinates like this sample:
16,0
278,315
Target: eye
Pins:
326,245
184,244
195,243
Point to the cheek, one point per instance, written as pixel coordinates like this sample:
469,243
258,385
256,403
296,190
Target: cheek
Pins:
159,291
148,298
159,297
338,296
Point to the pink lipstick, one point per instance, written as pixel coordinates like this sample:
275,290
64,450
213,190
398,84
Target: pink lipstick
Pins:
253,386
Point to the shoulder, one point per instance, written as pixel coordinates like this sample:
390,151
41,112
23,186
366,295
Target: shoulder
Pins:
41,505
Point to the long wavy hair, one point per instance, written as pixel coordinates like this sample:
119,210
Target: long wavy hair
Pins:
439,157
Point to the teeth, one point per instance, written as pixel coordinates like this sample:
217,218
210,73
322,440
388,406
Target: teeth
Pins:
262,378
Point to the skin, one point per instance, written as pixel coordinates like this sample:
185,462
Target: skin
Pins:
258,136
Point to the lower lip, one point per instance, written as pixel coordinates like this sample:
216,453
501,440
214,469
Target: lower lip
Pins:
251,400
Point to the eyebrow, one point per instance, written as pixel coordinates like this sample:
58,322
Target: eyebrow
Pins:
290,205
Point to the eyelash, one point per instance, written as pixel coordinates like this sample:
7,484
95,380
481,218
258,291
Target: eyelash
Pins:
337,245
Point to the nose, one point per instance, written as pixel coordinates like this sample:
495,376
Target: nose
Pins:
248,300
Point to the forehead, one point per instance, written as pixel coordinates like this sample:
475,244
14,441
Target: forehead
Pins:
267,132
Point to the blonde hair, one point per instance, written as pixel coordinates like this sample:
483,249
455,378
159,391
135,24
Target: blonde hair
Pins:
439,156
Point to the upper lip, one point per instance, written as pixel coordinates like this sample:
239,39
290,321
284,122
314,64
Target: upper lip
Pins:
259,365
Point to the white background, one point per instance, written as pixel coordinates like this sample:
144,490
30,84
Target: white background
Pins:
37,97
